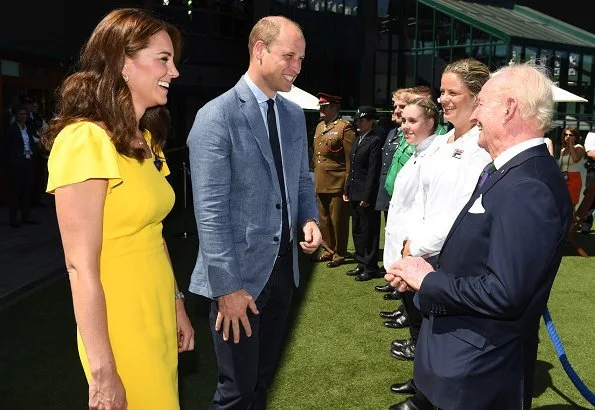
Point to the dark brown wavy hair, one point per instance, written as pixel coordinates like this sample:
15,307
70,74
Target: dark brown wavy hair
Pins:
97,91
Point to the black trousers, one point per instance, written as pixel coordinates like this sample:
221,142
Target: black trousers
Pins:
365,229
246,369
20,186
413,313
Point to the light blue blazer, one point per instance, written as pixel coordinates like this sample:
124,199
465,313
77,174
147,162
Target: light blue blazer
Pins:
236,191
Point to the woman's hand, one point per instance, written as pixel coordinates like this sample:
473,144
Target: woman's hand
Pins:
185,330
106,392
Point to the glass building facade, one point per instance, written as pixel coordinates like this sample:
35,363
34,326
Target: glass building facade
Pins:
418,38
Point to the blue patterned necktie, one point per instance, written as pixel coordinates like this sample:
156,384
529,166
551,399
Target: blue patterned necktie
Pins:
485,174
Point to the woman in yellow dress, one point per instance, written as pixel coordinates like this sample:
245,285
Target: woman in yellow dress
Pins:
107,171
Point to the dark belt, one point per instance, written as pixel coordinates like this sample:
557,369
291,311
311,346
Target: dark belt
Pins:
286,250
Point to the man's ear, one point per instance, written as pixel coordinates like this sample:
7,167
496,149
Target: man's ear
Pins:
258,50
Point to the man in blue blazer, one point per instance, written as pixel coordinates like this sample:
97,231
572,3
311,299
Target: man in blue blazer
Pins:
478,343
253,194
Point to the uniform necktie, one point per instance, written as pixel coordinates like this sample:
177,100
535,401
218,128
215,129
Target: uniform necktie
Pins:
276,148
485,174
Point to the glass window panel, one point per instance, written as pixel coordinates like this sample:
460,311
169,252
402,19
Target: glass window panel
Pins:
381,62
424,68
586,71
382,8
351,7
395,63
383,41
516,54
558,57
530,53
317,5
500,56
408,61
334,6
573,69
425,34
461,33
380,90
443,24
480,37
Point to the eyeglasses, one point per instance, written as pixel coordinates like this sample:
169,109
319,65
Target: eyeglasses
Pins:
568,133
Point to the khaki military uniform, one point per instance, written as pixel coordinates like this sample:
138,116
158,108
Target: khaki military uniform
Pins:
332,148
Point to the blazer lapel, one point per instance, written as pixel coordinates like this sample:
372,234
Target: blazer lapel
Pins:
249,107
287,127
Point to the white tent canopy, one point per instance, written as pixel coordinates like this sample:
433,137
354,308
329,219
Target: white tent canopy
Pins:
561,95
302,98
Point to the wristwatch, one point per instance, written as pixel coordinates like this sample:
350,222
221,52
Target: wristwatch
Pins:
180,295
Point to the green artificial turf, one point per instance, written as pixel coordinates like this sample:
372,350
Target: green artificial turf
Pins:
337,353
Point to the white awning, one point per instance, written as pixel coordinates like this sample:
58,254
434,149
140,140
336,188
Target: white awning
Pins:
302,98
561,95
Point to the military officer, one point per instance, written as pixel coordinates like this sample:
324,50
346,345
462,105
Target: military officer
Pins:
331,147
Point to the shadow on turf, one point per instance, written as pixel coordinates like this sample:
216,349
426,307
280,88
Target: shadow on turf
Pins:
543,381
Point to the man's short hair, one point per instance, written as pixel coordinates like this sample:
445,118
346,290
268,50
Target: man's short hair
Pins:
267,30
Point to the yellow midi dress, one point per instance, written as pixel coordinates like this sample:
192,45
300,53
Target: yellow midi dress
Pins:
135,272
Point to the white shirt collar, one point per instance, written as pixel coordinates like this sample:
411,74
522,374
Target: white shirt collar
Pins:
258,94
513,151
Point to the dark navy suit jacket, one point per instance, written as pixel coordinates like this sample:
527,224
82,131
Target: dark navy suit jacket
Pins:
482,306
366,161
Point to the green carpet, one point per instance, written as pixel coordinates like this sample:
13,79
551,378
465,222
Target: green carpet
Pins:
337,354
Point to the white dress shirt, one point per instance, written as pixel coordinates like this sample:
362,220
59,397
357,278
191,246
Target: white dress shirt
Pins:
447,180
405,188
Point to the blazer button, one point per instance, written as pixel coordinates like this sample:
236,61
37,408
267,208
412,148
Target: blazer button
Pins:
278,206
276,239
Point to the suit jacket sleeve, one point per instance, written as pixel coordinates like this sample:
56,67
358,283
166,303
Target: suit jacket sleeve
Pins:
526,225
348,138
209,143
307,208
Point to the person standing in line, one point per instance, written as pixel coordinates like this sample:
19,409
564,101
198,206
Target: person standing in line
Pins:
447,180
483,301
391,144
332,145
420,120
361,189
253,194
107,172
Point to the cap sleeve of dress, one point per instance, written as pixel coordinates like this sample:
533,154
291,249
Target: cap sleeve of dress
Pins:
80,152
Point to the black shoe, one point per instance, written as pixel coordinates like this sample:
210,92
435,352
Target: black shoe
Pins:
394,295
397,343
392,315
334,264
404,353
400,322
362,277
15,224
354,272
404,405
384,288
404,388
